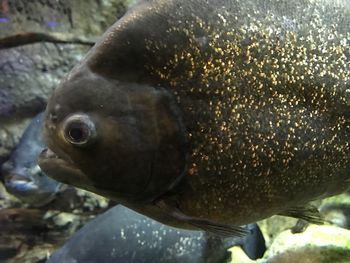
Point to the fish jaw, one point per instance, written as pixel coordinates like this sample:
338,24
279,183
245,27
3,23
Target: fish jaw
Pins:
60,169
29,192
21,183
65,171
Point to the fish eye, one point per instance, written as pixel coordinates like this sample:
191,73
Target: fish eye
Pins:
79,130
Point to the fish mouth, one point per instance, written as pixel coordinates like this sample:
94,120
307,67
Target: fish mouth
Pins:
29,192
20,184
48,156
60,168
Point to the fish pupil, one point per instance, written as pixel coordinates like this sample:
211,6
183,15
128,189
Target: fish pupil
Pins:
79,130
76,134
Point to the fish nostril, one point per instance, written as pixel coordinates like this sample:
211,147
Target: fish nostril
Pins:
53,117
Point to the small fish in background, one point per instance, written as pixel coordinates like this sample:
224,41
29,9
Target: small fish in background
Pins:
122,235
22,175
337,213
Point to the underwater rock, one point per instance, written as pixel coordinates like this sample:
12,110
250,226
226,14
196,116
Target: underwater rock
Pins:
238,256
318,244
6,199
61,16
274,225
20,229
122,235
29,73
336,210
31,234
25,234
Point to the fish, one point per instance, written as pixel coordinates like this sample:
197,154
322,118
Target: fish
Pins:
209,115
122,235
22,175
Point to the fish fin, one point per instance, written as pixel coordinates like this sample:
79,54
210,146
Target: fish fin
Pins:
214,228
253,244
300,226
218,229
308,213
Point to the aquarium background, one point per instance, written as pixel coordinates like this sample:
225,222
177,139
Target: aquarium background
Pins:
40,41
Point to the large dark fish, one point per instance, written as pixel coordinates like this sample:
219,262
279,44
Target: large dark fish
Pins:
210,114
23,177
122,235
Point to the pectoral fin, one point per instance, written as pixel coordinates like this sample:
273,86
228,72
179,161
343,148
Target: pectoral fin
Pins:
307,213
254,244
215,228
300,226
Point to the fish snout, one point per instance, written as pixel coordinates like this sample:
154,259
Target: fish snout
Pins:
19,180
31,186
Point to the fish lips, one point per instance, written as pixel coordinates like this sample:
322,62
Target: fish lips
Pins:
64,170
61,169
28,190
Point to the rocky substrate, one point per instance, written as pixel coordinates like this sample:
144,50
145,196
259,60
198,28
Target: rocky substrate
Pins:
317,244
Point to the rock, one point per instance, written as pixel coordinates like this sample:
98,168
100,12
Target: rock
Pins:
30,235
91,201
28,74
238,256
336,210
274,225
20,228
87,17
318,244
6,199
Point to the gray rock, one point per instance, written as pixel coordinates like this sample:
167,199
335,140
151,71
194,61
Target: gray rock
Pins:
318,244
336,210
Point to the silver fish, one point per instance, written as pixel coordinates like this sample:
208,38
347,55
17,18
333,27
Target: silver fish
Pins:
23,176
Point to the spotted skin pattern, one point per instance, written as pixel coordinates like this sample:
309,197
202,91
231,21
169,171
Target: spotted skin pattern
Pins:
265,100
260,88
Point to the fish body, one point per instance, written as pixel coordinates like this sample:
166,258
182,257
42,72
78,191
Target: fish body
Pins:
208,114
22,174
122,235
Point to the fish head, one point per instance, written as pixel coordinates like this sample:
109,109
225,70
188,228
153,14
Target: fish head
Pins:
29,184
119,139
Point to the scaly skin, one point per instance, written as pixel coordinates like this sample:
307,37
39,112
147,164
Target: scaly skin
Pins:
255,96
